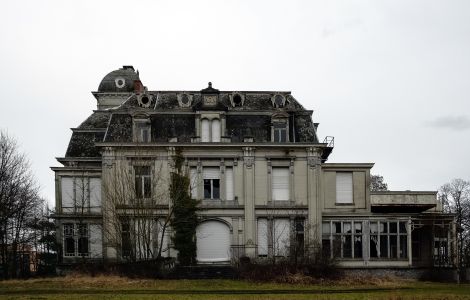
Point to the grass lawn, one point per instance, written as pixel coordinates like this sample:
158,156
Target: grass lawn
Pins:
112,287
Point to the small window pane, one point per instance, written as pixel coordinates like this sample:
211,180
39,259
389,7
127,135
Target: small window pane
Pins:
383,227
393,246
207,189
69,246
383,246
358,246
403,246
347,227
373,227
374,246
347,249
337,227
393,227
403,227
216,188
147,187
358,227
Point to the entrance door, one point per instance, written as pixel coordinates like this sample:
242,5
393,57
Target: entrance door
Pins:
213,242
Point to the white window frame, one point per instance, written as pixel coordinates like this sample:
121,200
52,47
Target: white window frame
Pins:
71,230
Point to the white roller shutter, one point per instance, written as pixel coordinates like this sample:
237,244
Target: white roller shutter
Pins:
280,184
215,130
262,237
67,194
205,131
194,182
96,241
95,195
211,173
213,242
229,184
281,237
344,187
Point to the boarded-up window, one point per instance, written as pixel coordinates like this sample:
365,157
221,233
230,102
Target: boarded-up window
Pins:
263,237
280,184
229,183
205,131
215,130
344,187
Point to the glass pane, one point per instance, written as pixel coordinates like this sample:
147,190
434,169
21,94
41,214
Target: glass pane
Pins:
393,227
357,246
403,227
83,246
393,246
216,186
326,247
403,246
383,246
347,227
373,227
337,227
207,189
147,187
283,136
138,187
347,248
337,246
358,227
325,228
383,227
374,246
69,246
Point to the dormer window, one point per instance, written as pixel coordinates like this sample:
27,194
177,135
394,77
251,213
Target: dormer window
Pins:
280,128
210,130
142,131
280,132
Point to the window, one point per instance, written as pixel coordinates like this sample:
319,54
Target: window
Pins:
388,239
342,239
142,182
280,184
142,131
81,194
210,130
275,234
211,182
344,187
280,133
126,245
76,240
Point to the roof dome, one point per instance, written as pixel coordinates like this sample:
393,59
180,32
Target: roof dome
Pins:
121,80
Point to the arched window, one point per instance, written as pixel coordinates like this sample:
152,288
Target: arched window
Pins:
215,130
205,131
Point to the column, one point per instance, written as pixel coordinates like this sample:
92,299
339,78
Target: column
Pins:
249,195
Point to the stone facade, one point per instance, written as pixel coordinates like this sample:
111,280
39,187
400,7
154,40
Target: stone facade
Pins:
257,166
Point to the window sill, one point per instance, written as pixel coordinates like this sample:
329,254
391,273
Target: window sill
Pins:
345,204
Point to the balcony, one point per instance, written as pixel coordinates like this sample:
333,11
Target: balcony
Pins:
403,201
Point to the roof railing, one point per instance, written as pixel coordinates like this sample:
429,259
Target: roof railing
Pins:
329,141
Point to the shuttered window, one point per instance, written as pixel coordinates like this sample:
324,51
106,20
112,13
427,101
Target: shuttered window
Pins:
205,131
229,184
262,237
280,183
215,130
344,187
194,183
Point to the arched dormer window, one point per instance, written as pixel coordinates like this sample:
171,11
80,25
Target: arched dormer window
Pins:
280,128
142,129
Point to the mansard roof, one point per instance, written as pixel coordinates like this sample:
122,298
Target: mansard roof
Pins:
173,114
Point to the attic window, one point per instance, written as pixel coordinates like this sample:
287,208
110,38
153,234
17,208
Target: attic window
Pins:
144,100
184,100
237,99
120,82
142,131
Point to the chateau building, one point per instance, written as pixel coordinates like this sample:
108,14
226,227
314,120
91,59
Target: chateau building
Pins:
257,166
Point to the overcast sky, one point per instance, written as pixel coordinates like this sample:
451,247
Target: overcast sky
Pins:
390,80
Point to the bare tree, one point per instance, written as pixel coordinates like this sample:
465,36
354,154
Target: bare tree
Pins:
377,183
455,198
19,203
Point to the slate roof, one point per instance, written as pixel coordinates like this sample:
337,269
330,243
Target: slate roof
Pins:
169,120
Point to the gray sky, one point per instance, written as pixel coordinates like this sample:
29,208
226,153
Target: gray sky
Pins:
390,80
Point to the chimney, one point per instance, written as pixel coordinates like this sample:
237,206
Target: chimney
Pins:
138,86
